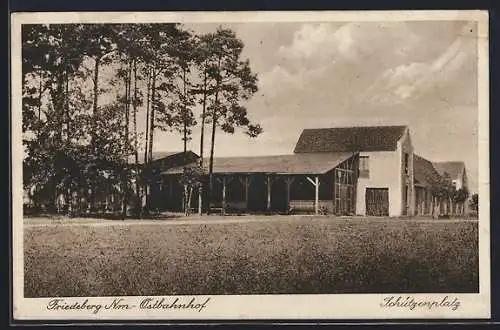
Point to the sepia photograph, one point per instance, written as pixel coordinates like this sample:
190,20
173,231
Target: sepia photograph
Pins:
194,161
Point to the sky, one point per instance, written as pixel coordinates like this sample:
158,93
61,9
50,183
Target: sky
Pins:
421,73
311,75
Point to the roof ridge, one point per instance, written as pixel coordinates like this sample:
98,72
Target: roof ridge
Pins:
170,152
291,155
352,126
253,156
449,161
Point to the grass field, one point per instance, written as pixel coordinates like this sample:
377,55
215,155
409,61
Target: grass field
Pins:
289,255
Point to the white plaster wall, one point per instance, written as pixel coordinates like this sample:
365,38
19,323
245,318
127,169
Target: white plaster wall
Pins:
385,172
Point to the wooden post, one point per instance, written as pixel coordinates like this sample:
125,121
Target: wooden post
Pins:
315,183
223,195
432,205
269,182
316,201
420,199
288,182
170,193
435,207
106,204
425,205
184,199
247,185
439,205
200,199
246,182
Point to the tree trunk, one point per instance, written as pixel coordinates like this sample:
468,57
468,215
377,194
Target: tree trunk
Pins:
203,115
184,139
151,136
148,88
185,115
136,150
202,138
96,85
90,200
152,116
69,201
58,100
190,195
211,159
438,206
40,95
214,127
66,120
185,200
432,207
61,112
94,115
144,197
435,207
126,134
66,108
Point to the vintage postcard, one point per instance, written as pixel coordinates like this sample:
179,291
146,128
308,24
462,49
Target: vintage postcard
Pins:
250,165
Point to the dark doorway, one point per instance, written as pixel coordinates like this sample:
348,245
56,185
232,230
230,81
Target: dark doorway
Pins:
166,195
377,201
279,195
257,193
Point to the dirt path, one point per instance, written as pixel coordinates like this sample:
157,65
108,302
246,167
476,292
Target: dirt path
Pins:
197,220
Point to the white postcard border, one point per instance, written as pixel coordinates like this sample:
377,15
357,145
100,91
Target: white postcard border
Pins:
339,306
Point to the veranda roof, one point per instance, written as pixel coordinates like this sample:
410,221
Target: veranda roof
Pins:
310,163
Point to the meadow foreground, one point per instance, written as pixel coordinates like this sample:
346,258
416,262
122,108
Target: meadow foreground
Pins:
249,255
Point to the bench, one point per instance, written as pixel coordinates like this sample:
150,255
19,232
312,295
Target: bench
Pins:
214,208
231,207
308,206
301,206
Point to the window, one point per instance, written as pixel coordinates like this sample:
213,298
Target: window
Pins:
406,164
364,169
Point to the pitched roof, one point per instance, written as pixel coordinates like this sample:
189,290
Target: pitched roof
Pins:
164,154
348,139
156,156
424,171
453,169
318,163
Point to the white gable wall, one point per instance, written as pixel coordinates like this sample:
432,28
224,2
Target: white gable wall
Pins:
386,170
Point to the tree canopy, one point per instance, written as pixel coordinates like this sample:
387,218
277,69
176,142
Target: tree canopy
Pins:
85,87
